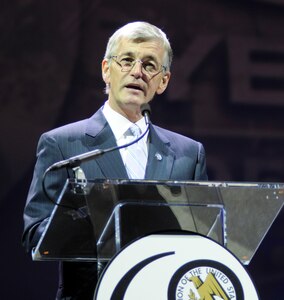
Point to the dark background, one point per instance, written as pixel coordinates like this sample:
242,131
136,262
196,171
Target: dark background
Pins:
227,91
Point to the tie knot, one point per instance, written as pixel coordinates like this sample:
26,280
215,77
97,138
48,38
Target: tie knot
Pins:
134,130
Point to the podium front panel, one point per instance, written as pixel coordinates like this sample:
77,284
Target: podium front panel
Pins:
237,215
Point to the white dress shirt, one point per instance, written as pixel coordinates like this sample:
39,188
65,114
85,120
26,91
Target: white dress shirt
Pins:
119,125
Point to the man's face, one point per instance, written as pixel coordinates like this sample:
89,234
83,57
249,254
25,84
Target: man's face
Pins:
128,90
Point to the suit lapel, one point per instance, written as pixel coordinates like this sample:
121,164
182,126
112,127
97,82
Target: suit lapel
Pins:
100,136
160,157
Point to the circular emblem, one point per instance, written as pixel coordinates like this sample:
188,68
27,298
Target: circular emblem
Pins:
205,279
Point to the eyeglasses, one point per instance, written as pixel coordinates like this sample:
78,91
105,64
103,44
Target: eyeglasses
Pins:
127,63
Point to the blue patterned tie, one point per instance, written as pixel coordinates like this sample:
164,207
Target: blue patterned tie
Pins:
136,157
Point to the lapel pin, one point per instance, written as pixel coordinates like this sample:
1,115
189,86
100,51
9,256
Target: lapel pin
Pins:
158,156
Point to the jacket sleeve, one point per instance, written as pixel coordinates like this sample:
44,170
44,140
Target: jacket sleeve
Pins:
201,169
38,206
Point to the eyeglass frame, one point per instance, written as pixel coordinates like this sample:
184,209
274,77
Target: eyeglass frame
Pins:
163,69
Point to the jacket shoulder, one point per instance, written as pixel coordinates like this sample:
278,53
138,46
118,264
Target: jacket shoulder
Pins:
173,137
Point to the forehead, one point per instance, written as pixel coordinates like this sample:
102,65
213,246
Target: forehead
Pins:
141,48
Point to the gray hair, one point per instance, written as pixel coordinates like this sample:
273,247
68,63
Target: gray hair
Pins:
140,31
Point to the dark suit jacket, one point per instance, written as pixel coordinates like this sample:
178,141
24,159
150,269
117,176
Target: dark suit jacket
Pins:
182,159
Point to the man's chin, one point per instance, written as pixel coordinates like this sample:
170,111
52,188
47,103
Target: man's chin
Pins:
135,101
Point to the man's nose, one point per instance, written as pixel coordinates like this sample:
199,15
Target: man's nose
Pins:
137,70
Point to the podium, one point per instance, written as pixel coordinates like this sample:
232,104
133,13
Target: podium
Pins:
96,219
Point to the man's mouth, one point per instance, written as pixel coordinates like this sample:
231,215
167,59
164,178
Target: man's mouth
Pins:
136,87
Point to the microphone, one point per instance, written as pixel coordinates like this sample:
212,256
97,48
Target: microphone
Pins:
76,160
146,112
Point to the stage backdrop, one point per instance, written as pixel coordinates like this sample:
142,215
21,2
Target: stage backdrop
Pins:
227,90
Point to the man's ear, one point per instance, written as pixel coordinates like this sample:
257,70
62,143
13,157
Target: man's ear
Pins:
163,83
105,71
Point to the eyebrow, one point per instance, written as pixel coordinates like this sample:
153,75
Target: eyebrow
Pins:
148,57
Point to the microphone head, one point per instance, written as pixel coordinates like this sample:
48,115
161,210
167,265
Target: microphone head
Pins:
145,109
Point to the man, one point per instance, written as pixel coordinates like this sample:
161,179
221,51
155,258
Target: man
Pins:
136,66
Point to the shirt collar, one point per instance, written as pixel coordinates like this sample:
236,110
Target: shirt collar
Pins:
118,123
